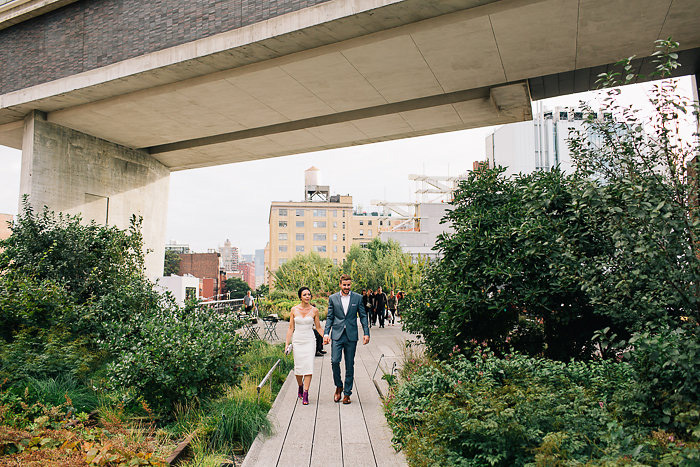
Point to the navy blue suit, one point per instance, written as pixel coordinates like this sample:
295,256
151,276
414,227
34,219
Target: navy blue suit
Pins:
342,328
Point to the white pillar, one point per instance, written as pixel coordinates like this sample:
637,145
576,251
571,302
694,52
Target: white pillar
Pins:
76,173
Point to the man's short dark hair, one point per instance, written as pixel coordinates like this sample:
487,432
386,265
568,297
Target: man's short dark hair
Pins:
345,277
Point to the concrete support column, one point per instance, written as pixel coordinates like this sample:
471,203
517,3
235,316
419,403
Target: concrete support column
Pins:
76,173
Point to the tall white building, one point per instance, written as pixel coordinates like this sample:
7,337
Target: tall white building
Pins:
540,144
229,256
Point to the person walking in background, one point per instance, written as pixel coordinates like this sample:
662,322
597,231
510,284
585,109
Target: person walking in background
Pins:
370,308
365,303
380,306
391,306
248,302
341,324
302,319
399,297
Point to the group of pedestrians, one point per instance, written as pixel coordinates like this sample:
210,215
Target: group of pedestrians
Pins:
381,307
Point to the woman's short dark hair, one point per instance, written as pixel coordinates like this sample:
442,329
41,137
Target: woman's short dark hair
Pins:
302,289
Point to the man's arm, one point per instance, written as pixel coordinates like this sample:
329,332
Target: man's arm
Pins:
329,321
363,321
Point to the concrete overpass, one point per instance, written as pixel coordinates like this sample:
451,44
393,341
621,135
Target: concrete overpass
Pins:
106,98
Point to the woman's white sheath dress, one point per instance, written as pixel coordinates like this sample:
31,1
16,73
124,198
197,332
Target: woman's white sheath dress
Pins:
304,345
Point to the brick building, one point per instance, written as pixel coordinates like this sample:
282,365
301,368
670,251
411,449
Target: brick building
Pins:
204,266
248,273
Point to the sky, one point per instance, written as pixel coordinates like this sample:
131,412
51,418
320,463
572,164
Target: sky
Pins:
209,205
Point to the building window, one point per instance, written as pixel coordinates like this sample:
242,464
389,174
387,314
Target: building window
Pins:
335,261
300,213
282,261
369,232
362,222
282,224
343,237
335,248
300,237
335,225
300,224
343,248
319,213
320,224
320,248
319,237
283,248
282,212
362,233
190,293
343,225
388,222
283,236
335,237
300,248
343,212
381,222
369,222
335,213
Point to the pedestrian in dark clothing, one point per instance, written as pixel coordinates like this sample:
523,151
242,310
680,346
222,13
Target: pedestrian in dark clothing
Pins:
391,302
319,344
370,308
365,303
380,306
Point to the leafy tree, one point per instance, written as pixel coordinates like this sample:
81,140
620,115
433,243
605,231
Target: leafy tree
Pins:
312,271
172,263
614,245
647,202
236,287
263,290
61,282
382,264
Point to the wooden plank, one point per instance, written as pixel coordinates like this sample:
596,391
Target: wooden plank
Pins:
357,449
265,451
297,447
327,449
373,411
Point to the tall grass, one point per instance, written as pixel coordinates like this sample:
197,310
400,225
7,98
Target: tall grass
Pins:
231,423
53,391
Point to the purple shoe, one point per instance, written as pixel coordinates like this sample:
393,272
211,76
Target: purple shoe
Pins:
305,398
301,391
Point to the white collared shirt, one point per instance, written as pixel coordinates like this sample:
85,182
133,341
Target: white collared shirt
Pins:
345,301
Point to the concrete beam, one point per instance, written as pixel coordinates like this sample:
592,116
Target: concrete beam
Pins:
71,172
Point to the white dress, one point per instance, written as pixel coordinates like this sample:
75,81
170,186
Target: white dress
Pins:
304,345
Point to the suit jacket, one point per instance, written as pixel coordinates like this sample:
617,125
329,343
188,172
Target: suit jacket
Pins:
338,322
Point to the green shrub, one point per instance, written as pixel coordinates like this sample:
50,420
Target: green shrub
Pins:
174,355
666,393
484,410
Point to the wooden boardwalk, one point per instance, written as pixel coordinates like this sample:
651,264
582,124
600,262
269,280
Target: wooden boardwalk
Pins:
329,434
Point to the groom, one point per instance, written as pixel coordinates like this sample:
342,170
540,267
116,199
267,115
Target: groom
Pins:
343,308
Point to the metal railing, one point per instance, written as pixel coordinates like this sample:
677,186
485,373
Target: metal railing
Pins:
267,376
219,305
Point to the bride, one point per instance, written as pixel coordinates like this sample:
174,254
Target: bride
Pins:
302,319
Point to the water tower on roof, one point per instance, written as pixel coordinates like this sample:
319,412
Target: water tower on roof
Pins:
313,190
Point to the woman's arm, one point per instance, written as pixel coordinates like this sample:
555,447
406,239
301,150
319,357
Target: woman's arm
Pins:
318,321
290,329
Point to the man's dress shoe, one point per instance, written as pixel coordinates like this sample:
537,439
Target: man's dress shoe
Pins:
338,393
346,400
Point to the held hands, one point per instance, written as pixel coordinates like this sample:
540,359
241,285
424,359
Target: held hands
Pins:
326,340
